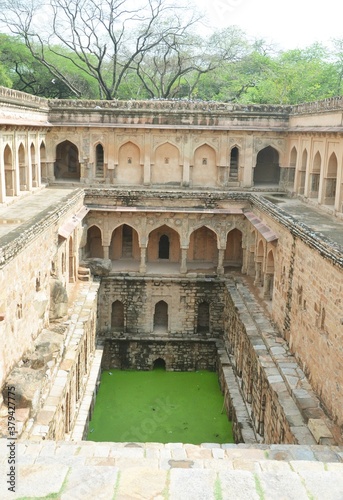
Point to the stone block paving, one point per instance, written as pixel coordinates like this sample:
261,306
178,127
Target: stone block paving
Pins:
153,471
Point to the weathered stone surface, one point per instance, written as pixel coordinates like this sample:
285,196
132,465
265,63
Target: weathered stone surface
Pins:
98,267
58,299
28,385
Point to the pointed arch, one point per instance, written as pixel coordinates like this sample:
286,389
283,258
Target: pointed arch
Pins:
302,172
315,175
9,171
167,167
233,255
234,163
93,246
117,316
23,174
260,251
270,263
164,244
204,172
42,157
293,157
67,165
203,245
267,169
317,163
34,165
124,243
330,181
129,170
99,160
304,160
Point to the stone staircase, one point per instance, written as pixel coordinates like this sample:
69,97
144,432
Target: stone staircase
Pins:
125,471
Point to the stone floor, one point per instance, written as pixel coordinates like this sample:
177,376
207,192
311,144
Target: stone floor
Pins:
127,471
315,218
23,209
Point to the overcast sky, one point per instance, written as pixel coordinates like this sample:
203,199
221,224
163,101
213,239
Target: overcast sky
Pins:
291,23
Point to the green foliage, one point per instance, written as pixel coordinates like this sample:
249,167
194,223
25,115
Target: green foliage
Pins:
226,67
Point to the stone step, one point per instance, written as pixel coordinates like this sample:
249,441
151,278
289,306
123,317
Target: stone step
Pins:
88,470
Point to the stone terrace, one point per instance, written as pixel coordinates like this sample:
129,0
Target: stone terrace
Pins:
125,471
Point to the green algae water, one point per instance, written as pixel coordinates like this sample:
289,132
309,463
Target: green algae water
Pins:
160,406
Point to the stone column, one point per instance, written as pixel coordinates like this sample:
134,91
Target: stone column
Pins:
106,250
183,268
2,174
220,267
147,160
244,260
251,264
258,274
142,267
268,278
16,171
38,163
186,162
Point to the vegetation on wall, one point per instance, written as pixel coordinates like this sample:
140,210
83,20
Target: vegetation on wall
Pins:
126,49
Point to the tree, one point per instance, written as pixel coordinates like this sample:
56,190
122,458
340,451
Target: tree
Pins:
176,65
103,40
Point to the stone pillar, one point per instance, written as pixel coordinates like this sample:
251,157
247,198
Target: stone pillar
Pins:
249,161
244,259
251,264
106,250
147,160
38,163
2,174
186,162
267,286
183,268
258,274
16,172
142,267
220,267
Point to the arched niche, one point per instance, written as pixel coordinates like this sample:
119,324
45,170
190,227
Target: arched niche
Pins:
34,166
161,316
166,168
159,364
302,172
203,245
203,317
163,241
43,166
234,163
117,316
293,157
129,170
99,161
315,175
23,177
9,171
330,181
67,165
260,251
233,255
267,169
204,172
124,243
93,248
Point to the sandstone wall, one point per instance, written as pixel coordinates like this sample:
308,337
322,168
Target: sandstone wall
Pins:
307,304
140,297
31,260
140,354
